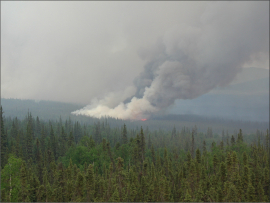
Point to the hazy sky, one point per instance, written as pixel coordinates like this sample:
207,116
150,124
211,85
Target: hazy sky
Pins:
77,51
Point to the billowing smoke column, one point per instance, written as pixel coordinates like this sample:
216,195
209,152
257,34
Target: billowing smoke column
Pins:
190,61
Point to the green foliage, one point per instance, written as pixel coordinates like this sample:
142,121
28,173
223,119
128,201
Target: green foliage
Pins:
124,138
64,163
3,142
10,178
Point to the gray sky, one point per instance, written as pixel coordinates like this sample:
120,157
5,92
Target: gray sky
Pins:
78,51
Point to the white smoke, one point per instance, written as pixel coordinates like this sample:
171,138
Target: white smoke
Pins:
190,61
135,110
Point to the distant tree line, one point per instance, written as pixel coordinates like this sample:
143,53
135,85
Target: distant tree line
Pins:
49,110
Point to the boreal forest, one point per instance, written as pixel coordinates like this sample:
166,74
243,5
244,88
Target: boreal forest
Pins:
69,161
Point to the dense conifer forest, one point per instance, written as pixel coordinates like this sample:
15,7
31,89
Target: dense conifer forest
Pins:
69,161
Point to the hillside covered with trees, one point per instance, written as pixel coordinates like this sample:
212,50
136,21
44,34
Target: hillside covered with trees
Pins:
53,111
70,161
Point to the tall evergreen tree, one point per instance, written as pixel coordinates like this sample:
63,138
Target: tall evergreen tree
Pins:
71,141
124,135
232,140
79,187
3,142
23,194
153,155
222,172
187,197
173,132
192,144
245,158
39,161
250,193
53,143
110,155
204,148
97,133
63,142
41,194
149,143
142,144
198,156
29,140
42,140
38,127
90,184
240,137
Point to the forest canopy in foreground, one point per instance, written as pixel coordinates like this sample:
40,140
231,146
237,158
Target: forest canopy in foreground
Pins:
66,161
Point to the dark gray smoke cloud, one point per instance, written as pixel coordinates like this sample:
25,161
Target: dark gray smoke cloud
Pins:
189,61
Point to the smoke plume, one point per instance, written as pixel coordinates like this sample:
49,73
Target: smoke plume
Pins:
189,61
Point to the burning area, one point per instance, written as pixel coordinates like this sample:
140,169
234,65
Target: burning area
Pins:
191,60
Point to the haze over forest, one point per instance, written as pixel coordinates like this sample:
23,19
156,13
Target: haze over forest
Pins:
131,60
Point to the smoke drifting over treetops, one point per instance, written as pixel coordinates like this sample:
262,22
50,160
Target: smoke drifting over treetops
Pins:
188,62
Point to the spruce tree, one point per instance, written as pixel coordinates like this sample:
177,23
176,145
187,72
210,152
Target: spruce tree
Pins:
204,148
124,135
166,162
49,195
92,142
153,155
149,143
240,137
260,193
250,193
228,163
63,142
151,194
110,155
187,197
220,194
104,144
189,158
198,156
173,132
79,187
29,139
97,133
266,183
215,162
142,145
3,142
232,140
39,161
192,144
53,143
115,196
232,194
34,186
38,127
90,183
41,194
245,158
23,194
42,140
71,142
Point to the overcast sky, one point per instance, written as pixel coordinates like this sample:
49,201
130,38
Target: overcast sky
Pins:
76,51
